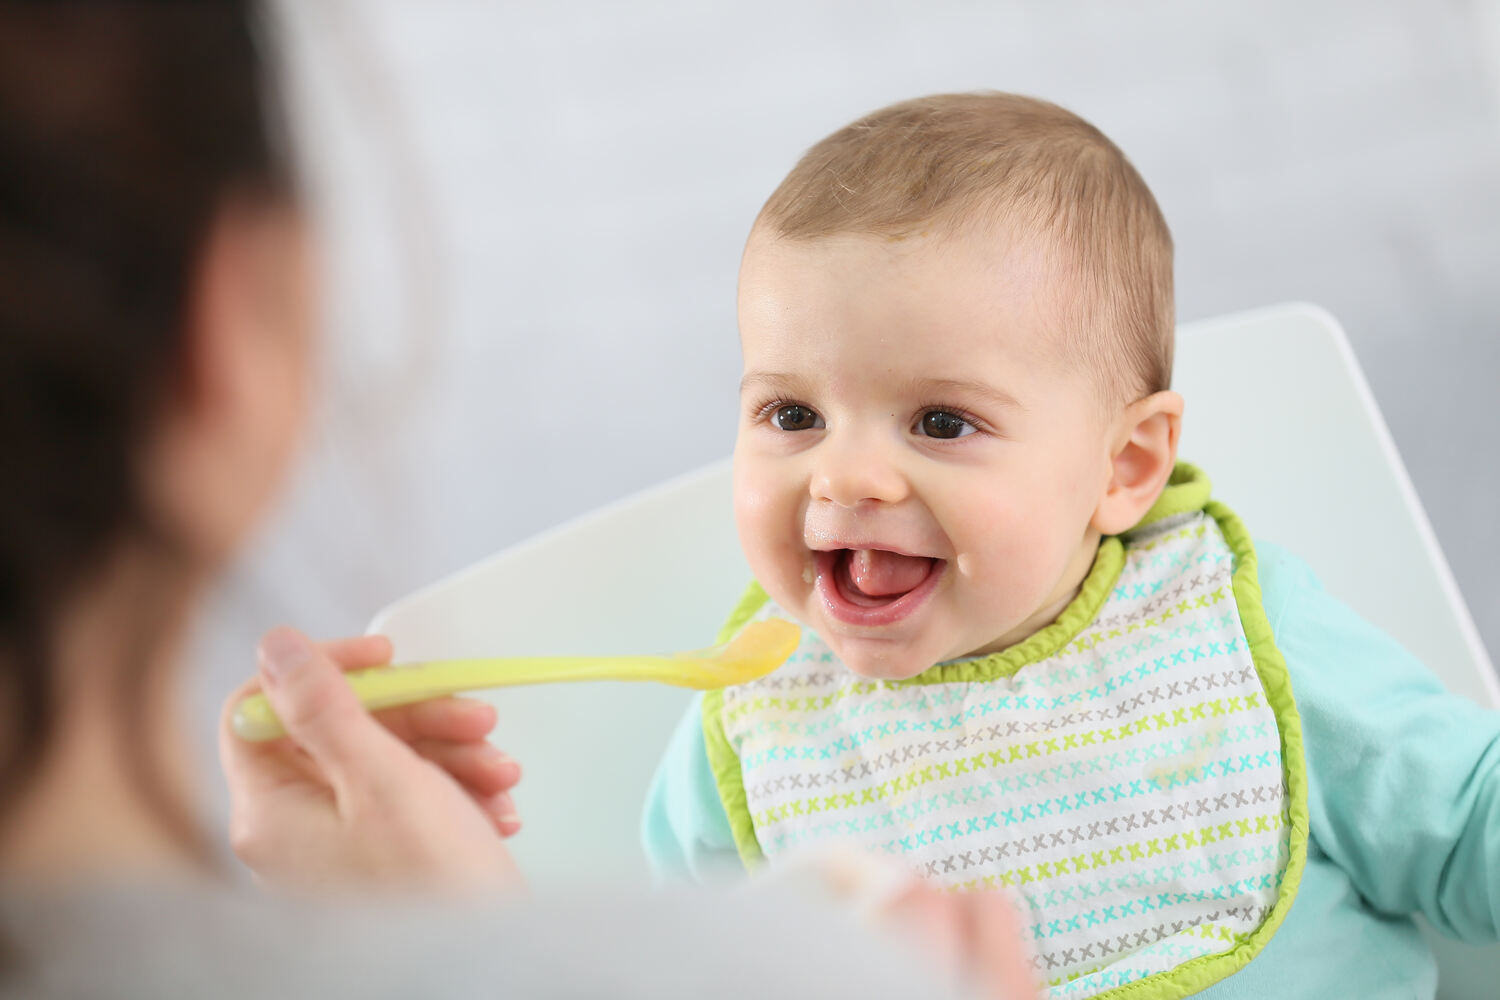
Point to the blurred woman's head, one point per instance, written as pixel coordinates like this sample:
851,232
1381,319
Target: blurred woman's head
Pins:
155,313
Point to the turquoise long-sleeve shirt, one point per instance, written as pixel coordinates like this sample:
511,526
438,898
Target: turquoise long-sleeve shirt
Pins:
1403,806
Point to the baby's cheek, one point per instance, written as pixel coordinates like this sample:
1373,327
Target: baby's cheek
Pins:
988,533
769,536
1009,562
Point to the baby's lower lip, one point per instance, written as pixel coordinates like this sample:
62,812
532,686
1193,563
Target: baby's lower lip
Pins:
843,608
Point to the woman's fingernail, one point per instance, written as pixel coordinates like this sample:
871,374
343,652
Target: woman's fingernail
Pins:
283,652
502,762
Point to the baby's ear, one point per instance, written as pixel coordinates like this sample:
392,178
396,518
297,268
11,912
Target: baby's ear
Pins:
1143,450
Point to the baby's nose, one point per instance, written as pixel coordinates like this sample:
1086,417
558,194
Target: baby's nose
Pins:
850,474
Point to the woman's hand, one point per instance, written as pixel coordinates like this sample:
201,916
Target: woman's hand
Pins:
411,798
975,938
976,935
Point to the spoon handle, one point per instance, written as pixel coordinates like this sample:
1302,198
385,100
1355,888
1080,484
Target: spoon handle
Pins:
388,686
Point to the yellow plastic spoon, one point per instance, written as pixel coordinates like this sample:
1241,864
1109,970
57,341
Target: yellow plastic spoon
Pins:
760,648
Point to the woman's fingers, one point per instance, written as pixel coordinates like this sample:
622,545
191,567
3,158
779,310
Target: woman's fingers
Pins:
351,653
477,766
451,719
1001,962
446,718
486,773
319,709
357,652
501,809
977,934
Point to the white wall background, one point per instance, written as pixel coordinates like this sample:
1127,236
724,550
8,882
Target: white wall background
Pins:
534,212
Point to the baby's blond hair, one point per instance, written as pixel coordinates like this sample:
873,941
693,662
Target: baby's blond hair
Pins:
967,162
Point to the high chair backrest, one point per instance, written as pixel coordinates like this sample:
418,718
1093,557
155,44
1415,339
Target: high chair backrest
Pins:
1278,414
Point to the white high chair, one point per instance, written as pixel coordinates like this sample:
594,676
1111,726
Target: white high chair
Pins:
1278,411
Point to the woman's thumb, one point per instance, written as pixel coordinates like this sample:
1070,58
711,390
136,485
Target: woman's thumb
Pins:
316,705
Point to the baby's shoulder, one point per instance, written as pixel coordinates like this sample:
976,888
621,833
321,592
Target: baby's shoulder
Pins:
1286,581
1330,650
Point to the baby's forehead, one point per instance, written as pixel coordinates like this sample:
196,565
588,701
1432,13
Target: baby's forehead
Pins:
1009,309
1010,278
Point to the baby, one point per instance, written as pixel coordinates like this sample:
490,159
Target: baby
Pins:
1036,654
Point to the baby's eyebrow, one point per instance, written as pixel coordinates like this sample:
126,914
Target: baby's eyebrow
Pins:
981,390
779,381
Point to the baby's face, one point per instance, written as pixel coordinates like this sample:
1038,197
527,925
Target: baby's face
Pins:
917,467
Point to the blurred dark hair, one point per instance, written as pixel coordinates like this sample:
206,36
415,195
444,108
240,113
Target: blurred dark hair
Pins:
124,127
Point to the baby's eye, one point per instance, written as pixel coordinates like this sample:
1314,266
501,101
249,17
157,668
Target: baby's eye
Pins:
942,424
796,417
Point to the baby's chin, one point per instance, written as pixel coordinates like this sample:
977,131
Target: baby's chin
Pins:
875,660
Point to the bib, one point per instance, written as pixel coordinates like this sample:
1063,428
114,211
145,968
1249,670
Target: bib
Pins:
1133,772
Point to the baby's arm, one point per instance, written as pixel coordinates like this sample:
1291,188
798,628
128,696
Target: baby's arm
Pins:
1404,777
685,829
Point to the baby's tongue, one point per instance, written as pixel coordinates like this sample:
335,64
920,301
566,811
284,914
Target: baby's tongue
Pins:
877,573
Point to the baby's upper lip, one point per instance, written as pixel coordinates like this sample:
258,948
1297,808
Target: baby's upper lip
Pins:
831,543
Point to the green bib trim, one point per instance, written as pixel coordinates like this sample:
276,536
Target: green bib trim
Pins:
722,759
1201,973
1188,489
725,764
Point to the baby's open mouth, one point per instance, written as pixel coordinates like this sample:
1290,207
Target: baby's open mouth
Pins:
875,587
872,577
